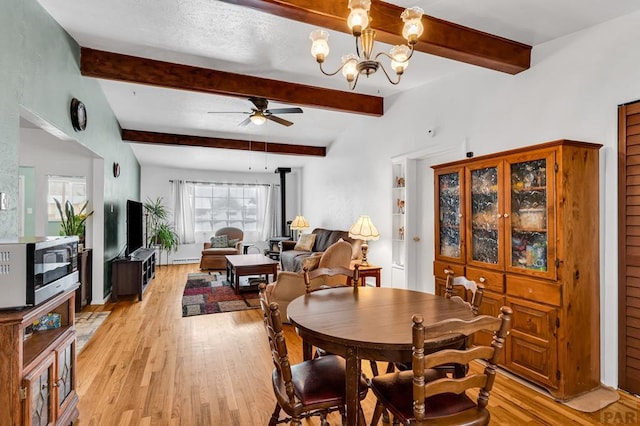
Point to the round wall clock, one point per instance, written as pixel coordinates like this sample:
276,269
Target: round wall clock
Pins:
78,115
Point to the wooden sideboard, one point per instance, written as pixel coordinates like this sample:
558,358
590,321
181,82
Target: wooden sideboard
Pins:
525,223
38,373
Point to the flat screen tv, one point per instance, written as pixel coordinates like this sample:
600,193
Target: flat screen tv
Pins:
135,229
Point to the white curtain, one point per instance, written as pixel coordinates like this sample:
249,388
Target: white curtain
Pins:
184,210
266,202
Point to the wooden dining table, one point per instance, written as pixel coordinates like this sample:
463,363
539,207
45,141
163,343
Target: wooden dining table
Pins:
367,323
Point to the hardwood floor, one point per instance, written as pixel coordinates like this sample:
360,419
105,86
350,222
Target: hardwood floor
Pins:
146,365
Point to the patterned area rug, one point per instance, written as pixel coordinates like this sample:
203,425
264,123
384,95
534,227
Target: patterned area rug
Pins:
86,324
210,293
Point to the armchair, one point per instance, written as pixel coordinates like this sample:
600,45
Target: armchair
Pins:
214,257
290,285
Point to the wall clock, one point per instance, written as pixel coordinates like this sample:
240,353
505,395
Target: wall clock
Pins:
78,115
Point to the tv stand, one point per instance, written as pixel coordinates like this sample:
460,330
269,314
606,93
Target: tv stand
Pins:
132,275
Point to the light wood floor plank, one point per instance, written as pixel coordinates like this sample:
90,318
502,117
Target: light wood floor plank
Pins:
146,365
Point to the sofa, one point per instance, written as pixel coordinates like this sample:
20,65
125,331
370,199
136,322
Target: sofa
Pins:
291,258
213,258
290,285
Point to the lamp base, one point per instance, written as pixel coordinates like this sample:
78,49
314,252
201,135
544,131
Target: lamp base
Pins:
364,248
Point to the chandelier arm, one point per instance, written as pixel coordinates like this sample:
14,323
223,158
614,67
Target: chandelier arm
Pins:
331,73
387,74
352,86
358,46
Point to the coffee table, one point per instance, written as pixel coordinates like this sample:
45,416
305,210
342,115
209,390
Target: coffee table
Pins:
239,265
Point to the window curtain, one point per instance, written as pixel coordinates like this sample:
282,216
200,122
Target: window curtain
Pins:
266,216
184,210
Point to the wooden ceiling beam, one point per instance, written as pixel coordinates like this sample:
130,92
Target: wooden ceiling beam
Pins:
440,38
132,69
139,136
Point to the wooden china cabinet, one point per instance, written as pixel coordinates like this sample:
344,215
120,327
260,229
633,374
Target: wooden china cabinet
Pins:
525,224
38,370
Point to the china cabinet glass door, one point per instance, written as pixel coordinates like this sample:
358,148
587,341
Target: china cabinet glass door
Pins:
449,223
485,214
531,234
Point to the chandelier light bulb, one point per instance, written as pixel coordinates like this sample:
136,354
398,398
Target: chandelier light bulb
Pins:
320,44
400,58
358,18
413,27
350,70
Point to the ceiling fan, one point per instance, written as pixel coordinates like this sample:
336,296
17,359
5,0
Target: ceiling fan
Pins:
260,114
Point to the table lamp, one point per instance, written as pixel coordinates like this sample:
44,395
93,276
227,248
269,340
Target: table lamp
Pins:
364,230
299,224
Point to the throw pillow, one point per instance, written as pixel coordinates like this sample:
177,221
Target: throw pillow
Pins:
305,243
232,243
311,263
219,241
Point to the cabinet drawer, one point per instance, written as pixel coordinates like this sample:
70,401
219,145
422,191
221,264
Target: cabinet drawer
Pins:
493,281
439,268
536,290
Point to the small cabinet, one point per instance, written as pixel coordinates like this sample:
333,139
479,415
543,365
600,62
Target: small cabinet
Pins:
132,275
39,405
529,233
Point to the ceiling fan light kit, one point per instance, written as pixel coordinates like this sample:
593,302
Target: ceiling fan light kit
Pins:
362,63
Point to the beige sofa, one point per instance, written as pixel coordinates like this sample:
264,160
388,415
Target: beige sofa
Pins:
213,258
291,259
290,285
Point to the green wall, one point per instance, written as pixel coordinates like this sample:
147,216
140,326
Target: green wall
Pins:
39,72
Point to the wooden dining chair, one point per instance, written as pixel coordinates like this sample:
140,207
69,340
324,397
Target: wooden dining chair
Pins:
339,276
422,396
467,287
311,388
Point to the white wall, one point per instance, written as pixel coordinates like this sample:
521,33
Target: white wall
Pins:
571,92
155,183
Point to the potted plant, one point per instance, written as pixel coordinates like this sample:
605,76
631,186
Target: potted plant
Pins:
72,223
159,232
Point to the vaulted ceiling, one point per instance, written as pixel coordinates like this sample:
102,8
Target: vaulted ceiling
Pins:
165,64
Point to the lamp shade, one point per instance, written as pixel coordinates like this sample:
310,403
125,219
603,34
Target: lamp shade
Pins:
299,223
364,229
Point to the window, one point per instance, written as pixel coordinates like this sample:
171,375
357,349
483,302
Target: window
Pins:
222,205
63,188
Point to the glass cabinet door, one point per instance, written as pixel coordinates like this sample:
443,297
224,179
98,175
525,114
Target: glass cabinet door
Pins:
449,223
485,214
531,231
38,404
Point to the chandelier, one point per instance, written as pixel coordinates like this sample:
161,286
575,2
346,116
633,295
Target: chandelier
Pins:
362,62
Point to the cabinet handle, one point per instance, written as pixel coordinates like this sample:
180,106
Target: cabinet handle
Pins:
459,214
499,215
482,280
447,271
506,215
416,239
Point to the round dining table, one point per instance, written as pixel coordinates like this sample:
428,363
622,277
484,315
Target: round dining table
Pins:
370,323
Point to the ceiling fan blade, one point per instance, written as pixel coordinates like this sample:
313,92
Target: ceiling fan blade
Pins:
279,120
228,112
284,111
245,121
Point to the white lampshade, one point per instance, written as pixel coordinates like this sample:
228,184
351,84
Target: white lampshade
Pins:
319,44
299,223
413,27
358,18
257,118
364,229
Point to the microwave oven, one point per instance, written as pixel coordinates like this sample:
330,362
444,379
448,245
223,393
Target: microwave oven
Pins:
34,269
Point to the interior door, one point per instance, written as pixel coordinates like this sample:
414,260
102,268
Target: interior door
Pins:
629,247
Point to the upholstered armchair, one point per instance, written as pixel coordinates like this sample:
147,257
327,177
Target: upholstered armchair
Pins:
290,285
214,257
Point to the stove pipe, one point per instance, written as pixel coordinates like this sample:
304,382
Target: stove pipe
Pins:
283,199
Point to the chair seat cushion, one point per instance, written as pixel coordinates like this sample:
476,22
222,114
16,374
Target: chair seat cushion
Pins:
319,382
221,251
395,391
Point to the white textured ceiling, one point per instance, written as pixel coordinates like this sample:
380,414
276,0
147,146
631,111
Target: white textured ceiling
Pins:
232,38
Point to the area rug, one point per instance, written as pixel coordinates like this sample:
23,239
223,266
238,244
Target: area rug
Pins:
86,324
210,293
